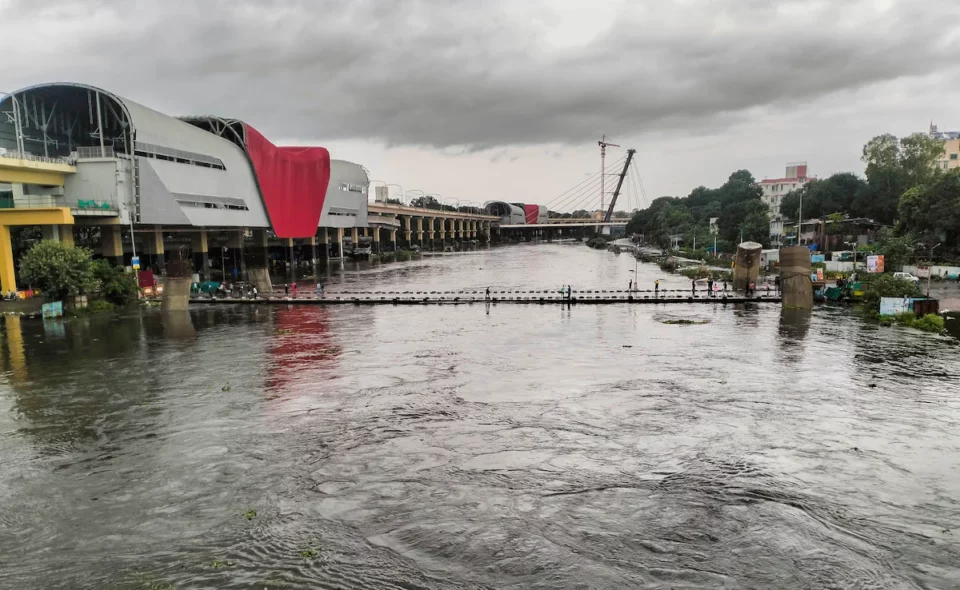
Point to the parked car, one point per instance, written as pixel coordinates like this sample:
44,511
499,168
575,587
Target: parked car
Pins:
907,277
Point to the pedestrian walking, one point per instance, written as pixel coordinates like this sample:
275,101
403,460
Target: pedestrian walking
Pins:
488,292
319,289
656,288
254,291
710,287
752,289
286,290
776,283
716,288
293,289
630,288
693,287
724,286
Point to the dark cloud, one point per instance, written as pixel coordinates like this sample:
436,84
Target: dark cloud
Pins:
478,74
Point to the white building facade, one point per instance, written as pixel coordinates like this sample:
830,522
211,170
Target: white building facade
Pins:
775,189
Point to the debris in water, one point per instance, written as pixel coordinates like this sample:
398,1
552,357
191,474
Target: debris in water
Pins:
308,552
226,388
250,514
220,564
684,322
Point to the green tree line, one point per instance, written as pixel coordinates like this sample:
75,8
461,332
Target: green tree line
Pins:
902,187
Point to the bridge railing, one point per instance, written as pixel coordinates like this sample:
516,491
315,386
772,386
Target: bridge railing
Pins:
12,155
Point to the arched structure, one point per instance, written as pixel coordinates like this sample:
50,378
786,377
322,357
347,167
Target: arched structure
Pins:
205,171
508,214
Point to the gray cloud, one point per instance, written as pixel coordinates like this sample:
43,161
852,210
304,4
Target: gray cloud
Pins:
478,74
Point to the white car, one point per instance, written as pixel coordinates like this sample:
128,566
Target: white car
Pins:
906,276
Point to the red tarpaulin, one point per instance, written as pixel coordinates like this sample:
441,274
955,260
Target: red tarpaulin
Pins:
532,212
293,181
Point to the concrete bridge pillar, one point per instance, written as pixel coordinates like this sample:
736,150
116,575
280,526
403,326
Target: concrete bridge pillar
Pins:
291,260
376,239
393,239
111,243
261,248
355,236
201,253
58,233
312,242
430,221
323,243
235,244
153,244
338,242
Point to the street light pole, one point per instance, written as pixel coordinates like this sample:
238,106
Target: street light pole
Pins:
800,220
930,269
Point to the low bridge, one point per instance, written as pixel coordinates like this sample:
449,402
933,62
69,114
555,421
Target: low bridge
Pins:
529,297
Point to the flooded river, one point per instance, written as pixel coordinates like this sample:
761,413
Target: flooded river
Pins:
479,447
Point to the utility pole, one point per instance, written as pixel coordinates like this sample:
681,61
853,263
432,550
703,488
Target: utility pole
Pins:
930,269
603,168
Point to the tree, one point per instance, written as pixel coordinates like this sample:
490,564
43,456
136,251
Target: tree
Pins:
56,270
932,211
426,202
756,223
892,167
896,250
113,283
835,194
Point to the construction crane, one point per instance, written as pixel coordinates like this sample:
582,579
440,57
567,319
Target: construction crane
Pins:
603,168
616,193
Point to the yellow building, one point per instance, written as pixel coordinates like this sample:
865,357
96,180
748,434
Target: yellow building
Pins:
951,148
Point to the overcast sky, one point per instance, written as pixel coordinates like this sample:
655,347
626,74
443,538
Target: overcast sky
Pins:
507,98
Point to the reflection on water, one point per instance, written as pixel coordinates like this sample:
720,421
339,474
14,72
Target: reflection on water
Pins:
478,445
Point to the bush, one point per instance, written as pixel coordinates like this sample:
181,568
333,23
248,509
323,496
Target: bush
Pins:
99,305
929,323
599,242
114,285
885,285
57,271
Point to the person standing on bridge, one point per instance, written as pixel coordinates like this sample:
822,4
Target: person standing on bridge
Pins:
656,288
293,287
630,288
693,287
488,293
710,287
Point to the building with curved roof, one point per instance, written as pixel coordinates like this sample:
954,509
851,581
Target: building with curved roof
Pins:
150,168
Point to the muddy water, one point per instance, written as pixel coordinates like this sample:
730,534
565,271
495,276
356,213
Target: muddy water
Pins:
479,447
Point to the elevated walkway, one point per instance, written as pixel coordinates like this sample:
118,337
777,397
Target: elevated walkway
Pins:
17,168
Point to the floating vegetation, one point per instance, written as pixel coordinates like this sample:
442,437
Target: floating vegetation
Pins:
308,552
250,514
219,564
282,331
684,322
274,583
